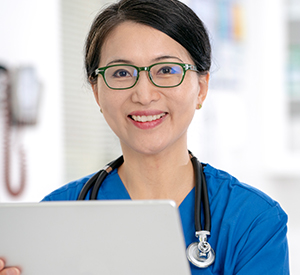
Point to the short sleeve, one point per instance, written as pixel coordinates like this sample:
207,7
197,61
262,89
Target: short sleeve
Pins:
265,250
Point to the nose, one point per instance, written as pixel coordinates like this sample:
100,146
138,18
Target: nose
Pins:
145,92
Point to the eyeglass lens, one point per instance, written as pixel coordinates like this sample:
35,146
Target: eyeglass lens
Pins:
125,76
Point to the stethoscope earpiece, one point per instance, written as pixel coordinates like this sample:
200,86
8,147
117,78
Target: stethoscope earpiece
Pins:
201,254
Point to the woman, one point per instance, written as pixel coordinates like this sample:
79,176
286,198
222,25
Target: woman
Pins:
149,109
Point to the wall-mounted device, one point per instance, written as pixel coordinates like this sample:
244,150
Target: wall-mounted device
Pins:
19,94
25,96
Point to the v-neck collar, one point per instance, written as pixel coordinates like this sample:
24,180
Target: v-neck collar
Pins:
114,189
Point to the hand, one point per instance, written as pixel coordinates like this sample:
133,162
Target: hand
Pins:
8,270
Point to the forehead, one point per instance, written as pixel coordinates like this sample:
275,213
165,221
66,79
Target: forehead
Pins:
140,44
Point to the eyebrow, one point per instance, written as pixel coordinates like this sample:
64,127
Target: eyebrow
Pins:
166,57
157,59
119,61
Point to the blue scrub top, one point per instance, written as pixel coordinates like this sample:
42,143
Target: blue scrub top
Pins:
248,228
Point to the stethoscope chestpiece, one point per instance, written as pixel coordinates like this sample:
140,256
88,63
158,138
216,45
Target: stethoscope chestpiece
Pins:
201,254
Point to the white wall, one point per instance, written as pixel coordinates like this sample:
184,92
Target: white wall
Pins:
29,34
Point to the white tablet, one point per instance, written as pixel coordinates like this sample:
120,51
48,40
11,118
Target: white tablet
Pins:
93,237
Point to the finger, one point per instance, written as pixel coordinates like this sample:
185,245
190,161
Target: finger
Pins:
10,271
14,271
2,264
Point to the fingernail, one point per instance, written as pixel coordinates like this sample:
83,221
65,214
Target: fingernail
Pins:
13,271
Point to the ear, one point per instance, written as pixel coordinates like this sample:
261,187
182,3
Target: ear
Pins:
96,94
203,84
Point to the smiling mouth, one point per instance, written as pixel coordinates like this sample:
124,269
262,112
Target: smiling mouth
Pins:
147,118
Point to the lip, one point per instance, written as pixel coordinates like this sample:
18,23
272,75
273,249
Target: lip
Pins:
148,124
146,113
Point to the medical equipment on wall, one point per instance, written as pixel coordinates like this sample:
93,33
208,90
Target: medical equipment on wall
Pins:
199,253
20,91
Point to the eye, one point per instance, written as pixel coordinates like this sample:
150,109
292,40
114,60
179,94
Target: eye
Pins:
121,73
165,70
169,70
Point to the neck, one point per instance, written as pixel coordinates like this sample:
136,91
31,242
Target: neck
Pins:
168,175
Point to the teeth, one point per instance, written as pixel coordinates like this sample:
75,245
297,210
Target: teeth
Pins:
147,118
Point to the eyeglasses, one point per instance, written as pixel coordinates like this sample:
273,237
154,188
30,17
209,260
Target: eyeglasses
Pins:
163,75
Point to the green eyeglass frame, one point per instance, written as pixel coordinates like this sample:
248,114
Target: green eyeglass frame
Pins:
185,68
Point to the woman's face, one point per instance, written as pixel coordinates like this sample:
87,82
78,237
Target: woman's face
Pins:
165,112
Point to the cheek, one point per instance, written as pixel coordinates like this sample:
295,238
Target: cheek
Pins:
108,104
112,107
111,115
105,96
186,103
188,96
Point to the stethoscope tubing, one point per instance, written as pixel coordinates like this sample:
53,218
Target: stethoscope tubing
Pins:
95,182
88,186
201,193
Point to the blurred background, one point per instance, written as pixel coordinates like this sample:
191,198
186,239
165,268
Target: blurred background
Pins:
51,130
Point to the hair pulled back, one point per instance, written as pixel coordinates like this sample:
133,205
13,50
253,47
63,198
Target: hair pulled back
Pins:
171,17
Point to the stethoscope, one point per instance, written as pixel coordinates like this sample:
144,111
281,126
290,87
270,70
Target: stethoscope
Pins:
199,253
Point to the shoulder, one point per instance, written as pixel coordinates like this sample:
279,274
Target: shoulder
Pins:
225,187
68,191
239,202
111,188
71,191
249,226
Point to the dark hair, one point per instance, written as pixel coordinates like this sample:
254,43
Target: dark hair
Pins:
171,17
